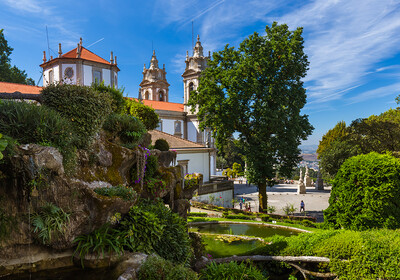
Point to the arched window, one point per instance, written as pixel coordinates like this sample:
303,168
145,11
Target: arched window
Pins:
161,95
191,88
146,95
51,77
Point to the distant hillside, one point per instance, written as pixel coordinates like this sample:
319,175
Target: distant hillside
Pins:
309,157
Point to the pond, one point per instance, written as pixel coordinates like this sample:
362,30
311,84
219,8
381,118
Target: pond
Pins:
220,242
248,229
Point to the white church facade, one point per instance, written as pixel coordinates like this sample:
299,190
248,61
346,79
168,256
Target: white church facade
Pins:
177,119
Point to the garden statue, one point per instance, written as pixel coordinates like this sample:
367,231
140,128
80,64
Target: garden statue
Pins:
320,182
307,179
302,188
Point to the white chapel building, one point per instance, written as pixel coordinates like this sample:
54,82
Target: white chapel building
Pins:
196,152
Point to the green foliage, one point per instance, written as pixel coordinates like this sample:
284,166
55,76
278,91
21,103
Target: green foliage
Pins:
129,129
10,73
231,271
151,167
99,242
126,193
365,193
155,185
338,132
141,229
29,123
156,268
49,222
174,242
240,216
265,218
161,144
118,101
144,113
84,107
3,145
289,209
192,180
237,169
229,153
271,209
257,91
370,255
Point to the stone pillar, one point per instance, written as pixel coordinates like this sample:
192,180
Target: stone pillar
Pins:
301,188
320,183
307,179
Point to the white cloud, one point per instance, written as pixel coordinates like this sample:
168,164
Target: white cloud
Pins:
393,89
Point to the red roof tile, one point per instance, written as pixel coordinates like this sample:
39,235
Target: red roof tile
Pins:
12,87
164,106
85,54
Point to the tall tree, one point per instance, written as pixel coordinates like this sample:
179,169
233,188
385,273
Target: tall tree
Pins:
10,73
256,90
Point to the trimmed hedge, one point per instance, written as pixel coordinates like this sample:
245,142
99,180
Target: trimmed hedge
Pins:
365,193
84,107
239,216
197,214
161,144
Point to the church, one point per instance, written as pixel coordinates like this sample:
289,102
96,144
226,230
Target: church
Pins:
195,147
178,125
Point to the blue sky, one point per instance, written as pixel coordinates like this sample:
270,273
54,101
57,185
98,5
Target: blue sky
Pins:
353,46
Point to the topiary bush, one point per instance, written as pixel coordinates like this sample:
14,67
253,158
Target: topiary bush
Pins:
129,129
146,114
161,144
365,193
84,107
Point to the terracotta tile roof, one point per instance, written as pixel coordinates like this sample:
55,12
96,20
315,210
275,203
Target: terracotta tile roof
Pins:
164,106
173,141
85,54
12,87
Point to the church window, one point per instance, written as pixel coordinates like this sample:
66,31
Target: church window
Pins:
161,95
178,128
146,95
97,76
191,87
69,72
51,76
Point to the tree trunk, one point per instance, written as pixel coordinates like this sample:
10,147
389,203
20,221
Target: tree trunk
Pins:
262,196
18,95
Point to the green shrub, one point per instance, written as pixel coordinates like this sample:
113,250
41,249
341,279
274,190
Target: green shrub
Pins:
151,167
144,113
156,268
154,185
231,271
118,102
264,218
365,193
141,229
197,214
308,223
29,123
49,222
129,129
240,216
3,145
84,107
99,242
174,242
192,180
161,144
124,192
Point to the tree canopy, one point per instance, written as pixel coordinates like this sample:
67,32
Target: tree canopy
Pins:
10,73
256,90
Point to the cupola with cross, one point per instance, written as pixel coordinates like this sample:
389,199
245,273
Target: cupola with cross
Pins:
154,85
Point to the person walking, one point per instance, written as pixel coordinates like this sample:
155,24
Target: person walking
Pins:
240,205
302,206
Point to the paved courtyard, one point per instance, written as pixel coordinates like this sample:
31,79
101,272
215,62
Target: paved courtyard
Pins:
282,194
